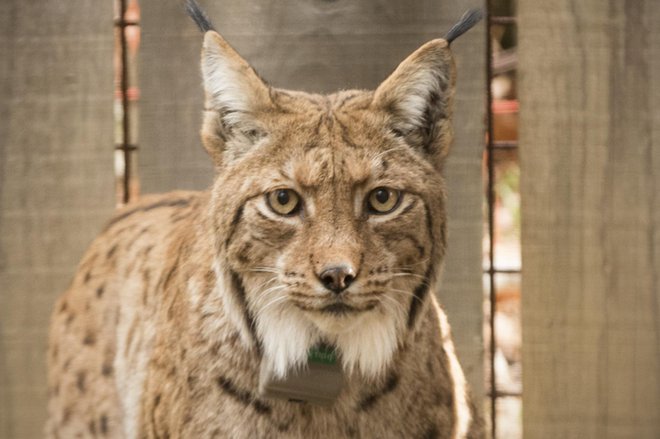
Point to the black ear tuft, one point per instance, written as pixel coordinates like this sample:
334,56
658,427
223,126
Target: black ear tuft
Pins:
199,16
467,21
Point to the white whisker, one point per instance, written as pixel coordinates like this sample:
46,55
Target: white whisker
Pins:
397,306
268,282
273,302
419,276
265,270
403,267
265,294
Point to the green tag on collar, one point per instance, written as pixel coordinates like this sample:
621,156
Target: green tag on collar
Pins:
322,354
319,383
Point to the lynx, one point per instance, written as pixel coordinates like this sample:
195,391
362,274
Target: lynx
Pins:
324,226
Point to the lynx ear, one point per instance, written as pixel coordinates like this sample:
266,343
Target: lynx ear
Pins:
235,94
418,97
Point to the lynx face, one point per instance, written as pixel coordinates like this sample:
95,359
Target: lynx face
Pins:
328,210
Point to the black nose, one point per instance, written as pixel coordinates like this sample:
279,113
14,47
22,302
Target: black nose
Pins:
337,278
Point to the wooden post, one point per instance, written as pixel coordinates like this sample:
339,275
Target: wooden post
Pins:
56,179
322,46
590,162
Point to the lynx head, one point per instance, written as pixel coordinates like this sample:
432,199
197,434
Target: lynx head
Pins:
328,211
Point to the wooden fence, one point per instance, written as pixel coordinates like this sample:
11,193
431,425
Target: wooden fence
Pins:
590,163
56,179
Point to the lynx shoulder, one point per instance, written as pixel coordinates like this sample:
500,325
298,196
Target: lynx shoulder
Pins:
324,226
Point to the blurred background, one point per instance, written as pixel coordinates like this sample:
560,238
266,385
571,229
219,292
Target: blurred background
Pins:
557,105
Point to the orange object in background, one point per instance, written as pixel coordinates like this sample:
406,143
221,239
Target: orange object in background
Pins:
505,120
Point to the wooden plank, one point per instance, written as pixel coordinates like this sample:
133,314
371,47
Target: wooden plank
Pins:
56,179
322,46
590,161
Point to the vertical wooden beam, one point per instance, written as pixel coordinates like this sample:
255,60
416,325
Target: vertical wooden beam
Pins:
322,46
56,179
590,161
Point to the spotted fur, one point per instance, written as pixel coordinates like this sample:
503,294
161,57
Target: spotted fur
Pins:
184,296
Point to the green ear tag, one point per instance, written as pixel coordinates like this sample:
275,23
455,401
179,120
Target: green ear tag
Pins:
318,383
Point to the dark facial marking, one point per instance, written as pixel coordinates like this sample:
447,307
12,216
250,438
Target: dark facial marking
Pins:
264,217
380,269
268,243
276,98
409,207
377,283
422,289
234,224
419,295
418,246
338,309
243,253
317,127
345,136
239,290
100,290
347,98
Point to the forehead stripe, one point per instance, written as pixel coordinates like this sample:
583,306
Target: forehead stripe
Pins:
345,136
234,224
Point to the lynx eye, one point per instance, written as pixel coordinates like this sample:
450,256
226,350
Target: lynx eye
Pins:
283,201
383,200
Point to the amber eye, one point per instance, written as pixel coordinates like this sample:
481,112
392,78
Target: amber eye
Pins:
383,200
283,201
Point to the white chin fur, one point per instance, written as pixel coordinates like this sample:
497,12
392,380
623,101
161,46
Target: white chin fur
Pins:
369,346
366,342
286,337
